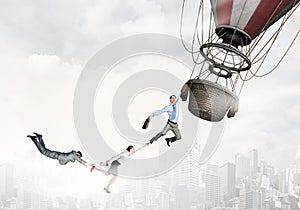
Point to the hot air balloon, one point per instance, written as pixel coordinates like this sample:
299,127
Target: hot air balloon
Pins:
231,41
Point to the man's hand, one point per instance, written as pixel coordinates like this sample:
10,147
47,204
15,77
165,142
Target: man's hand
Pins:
184,92
107,162
92,168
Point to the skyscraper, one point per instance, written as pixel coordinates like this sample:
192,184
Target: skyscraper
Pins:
2,184
6,181
286,178
183,198
253,158
227,178
289,201
243,167
250,195
212,188
187,172
164,201
266,169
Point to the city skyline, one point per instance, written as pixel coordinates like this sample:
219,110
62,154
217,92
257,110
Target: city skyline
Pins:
208,186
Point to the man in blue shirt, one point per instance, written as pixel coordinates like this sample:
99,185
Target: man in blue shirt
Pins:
173,111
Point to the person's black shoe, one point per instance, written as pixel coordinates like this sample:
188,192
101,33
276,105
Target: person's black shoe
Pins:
151,141
107,190
168,141
32,137
38,135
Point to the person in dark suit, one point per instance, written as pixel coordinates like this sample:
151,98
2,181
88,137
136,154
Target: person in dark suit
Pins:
62,157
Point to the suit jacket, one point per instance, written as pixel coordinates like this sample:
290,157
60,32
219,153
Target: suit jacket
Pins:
64,158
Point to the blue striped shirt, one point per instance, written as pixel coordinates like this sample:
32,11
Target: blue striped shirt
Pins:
171,109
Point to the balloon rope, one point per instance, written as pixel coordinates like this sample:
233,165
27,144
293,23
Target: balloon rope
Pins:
231,83
263,58
286,51
236,81
196,34
273,39
262,75
181,21
181,25
243,82
194,67
211,27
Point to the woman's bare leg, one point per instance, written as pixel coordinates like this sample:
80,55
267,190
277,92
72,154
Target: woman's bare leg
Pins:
110,182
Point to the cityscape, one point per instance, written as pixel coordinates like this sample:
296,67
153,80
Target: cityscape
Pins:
247,183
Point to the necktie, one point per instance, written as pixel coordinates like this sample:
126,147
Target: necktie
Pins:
173,116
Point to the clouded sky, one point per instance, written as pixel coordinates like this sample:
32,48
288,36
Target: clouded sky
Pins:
45,45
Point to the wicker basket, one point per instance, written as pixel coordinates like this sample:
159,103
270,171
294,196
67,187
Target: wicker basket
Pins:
210,101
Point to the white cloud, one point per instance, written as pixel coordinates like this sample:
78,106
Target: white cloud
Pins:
149,18
38,96
108,20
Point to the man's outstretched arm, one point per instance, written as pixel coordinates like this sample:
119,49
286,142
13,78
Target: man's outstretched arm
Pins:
159,112
83,162
178,97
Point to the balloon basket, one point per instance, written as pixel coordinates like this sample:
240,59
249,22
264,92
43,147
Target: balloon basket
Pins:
211,101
